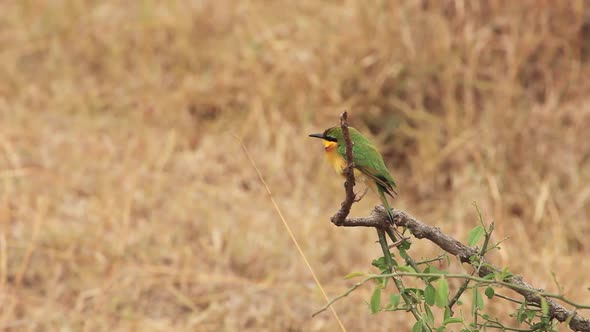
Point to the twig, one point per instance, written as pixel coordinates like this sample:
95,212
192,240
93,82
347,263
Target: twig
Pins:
378,218
480,260
396,244
436,259
458,276
409,260
341,215
488,232
396,280
343,295
495,324
507,298
458,295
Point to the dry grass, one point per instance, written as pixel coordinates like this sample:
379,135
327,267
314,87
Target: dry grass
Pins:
125,203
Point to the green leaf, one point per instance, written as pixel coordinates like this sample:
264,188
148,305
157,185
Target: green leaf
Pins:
416,293
490,292
429,314
453,320
447,313
404,268
417,326
490,276
544,306
477,302
531,314
442,293
380,283
429,294
376,300
394,300
505,274
379,263
403,253
475,235
405,245
520,316
433,269
354,275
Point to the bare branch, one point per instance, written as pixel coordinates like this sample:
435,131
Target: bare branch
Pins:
341,215
456,276
420,230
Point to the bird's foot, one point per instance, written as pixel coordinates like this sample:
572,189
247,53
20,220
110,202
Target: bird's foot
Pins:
356,200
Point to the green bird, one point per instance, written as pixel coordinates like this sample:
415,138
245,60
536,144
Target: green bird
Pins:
368,162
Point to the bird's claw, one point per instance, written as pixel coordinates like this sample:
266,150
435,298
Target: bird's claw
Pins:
356,200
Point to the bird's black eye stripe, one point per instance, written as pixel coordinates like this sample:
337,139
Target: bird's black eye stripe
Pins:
330,138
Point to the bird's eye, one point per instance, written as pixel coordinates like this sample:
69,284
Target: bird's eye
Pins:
331,139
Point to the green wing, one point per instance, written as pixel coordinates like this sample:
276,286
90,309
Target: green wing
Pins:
368,160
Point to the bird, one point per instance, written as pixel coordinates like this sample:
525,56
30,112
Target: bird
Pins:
369,166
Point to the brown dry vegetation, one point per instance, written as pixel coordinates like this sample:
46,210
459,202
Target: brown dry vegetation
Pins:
127,204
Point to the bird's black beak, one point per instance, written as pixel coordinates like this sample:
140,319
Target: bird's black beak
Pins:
318,136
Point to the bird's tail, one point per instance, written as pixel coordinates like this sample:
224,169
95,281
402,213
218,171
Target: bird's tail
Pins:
381,192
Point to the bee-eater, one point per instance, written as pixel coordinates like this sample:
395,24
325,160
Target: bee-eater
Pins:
368,163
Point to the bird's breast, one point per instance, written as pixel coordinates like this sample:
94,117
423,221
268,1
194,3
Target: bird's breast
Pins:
335,160
338,163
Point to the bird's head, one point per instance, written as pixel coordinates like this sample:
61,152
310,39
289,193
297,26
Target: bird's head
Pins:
331,134
331,138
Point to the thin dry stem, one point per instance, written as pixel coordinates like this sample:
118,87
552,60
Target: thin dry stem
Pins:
292,236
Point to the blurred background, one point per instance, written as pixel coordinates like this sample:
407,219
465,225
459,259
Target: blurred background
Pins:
126,202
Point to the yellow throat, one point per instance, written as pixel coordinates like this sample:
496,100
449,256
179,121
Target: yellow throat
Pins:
337,162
